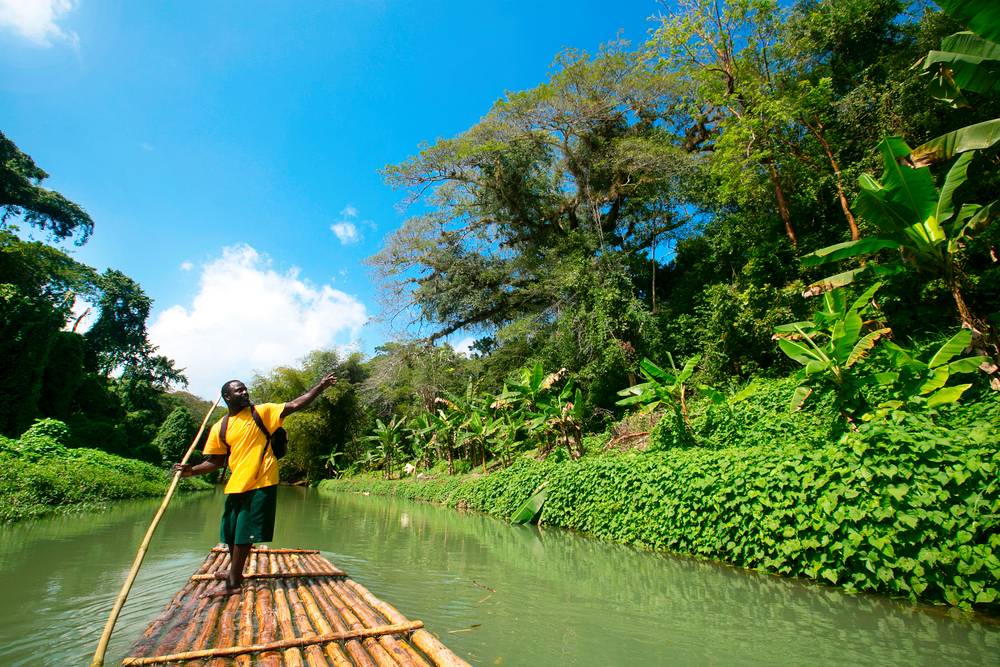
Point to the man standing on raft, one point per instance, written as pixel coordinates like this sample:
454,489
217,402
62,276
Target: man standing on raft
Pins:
252,490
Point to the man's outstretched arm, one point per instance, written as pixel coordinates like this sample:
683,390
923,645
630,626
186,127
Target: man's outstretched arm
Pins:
305,399
211,463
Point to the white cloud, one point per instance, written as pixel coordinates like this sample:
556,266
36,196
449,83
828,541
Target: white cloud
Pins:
349,212
347,232
249,317
36,19
186,266
144,146
464,346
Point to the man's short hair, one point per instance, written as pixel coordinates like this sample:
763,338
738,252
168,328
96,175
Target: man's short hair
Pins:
225,386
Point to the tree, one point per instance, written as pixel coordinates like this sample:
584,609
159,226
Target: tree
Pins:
174,435
21,196
554,181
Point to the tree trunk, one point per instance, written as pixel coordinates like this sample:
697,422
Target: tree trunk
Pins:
985,340
779,195
851,222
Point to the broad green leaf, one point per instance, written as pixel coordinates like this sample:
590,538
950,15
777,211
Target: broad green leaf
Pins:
965,71
713,394
865,297
530,511
845,335
912,188
978,222
688,369
816,366
634,390
969,138
971,44
967,365
835,303
980,16
938,379
536,377
798,398
956,176
578,405
794,326
925,234
879,209
656,372
886,378
744,394
947,395
797,351
833,282
847,249
863,345
954,346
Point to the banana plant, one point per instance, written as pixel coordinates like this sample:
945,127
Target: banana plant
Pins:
663,387
929,379
385,440
915,219
830,347
420,431
966,61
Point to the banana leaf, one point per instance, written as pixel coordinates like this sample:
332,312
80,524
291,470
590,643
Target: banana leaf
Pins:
912,189
980,16
950,349
864,345
847,249
947,395
531,510
966,71
969,138
956,177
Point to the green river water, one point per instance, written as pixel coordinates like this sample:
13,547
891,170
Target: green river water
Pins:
496,594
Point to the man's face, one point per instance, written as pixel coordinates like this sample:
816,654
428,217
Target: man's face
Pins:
237,395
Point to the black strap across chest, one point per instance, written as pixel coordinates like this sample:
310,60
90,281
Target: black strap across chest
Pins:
260,424
257,420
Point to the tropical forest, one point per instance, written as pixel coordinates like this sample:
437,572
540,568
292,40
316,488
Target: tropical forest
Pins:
733,297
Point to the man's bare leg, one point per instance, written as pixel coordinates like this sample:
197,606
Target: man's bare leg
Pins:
238,554
237,559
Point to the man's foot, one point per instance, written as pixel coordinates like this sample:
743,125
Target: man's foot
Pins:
224,591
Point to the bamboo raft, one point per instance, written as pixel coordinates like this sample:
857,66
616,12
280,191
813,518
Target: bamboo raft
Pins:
296,608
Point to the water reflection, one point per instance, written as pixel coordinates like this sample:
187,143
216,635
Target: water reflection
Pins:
497,594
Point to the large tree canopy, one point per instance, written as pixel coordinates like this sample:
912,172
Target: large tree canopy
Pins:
551,183
22,196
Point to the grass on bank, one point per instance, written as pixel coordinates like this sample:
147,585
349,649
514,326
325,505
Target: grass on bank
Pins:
907,506
39,475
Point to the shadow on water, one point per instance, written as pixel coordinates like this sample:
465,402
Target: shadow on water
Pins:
497,594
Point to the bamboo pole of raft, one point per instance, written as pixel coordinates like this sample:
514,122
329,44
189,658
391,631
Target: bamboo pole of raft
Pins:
102,645
297,642
422,639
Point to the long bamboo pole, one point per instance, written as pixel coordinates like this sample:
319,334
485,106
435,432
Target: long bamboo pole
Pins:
102,645
401,628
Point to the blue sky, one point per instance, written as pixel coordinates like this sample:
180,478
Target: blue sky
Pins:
229,151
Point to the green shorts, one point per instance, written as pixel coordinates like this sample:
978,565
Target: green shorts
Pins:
249,516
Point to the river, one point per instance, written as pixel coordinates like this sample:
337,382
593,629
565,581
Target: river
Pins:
496,594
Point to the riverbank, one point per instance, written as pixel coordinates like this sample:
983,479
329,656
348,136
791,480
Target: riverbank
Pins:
904,508
40,476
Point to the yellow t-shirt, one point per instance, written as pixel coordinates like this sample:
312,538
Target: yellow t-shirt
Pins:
246,441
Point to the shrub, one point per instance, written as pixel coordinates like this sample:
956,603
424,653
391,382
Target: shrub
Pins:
903,506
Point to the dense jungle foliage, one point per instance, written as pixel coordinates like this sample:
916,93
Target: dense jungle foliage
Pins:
106,383
734,199
727,231
751,263
42,473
